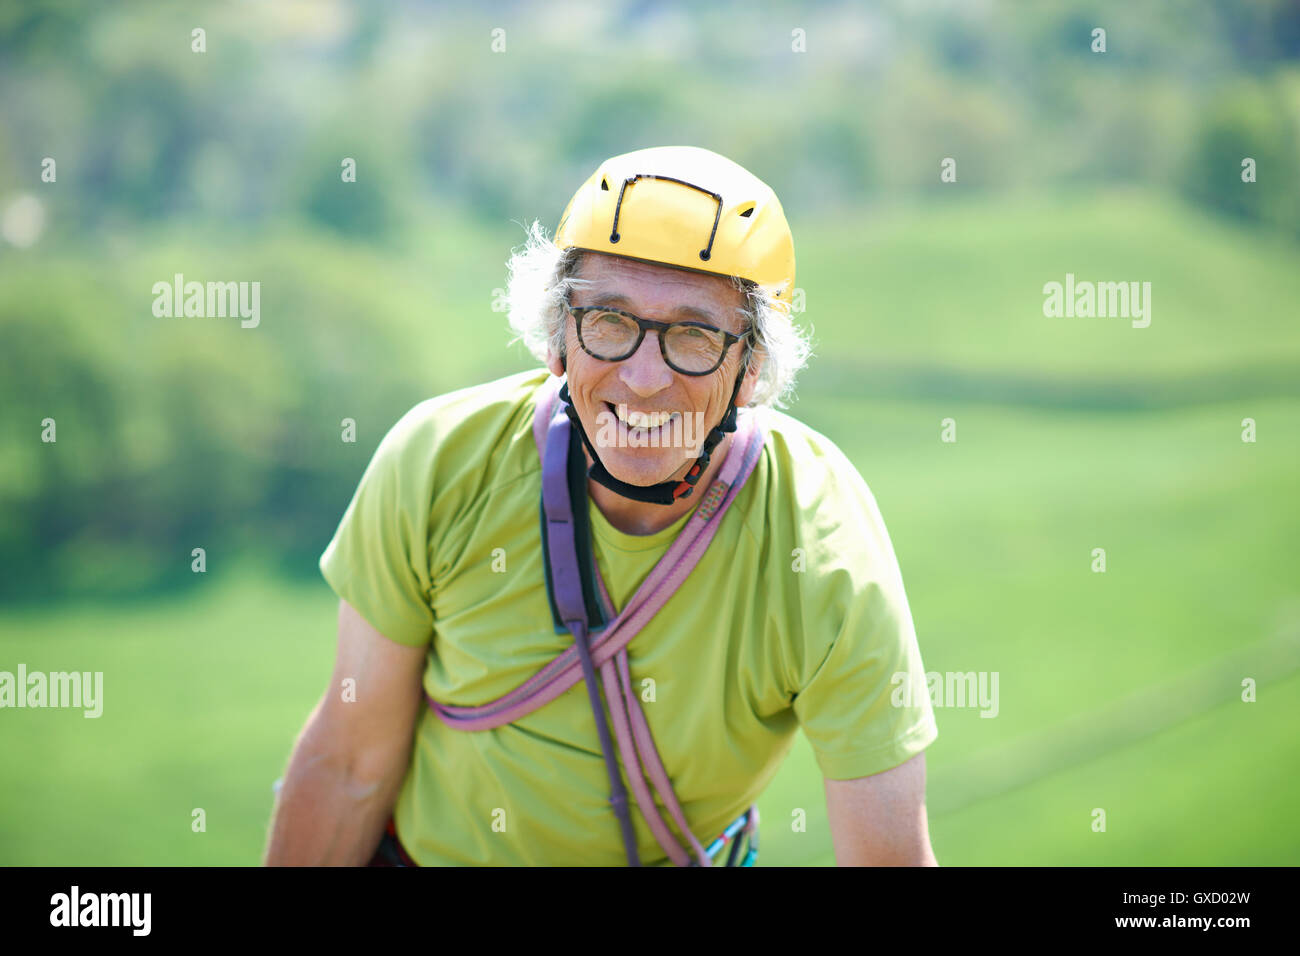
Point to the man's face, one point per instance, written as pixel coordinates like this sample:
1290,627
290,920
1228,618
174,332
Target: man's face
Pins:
643,382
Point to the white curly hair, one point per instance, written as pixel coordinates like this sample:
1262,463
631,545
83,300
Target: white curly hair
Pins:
541,276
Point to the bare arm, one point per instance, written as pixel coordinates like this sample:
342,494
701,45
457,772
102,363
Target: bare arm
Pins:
349,762
880,820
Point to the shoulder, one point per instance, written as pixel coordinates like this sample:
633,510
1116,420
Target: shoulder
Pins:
807,470
801,447
480,410
471,429
447,451
814,498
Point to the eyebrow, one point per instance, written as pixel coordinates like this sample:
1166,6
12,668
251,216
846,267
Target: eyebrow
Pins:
619,301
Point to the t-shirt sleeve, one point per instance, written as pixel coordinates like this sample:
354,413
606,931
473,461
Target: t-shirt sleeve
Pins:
862,651
378,560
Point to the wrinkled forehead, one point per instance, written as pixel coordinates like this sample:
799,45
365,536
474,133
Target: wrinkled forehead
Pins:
650,289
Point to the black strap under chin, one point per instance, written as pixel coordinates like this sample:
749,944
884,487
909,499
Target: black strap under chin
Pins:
665,492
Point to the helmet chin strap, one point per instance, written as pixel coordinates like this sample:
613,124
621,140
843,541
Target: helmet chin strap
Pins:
666,492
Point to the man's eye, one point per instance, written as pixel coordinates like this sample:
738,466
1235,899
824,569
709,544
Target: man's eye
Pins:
695,333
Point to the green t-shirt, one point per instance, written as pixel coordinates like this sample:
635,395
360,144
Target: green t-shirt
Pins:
795,617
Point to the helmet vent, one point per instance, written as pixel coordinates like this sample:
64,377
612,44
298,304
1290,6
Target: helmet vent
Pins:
604,184
748,212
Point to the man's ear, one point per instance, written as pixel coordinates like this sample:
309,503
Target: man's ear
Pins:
555,364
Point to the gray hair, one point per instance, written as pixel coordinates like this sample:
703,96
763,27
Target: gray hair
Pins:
541,276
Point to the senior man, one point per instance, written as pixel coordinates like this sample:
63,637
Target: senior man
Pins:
625,572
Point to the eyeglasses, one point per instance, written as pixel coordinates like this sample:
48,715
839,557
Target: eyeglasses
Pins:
690,348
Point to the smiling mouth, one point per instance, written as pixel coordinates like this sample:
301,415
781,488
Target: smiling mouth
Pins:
639,421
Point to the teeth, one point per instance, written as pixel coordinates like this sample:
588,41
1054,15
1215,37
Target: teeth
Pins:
642,419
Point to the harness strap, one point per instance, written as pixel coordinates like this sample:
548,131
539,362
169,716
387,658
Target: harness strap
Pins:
572,601
565,669
649,759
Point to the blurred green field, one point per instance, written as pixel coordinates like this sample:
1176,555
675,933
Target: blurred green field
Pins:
958,286
1118,691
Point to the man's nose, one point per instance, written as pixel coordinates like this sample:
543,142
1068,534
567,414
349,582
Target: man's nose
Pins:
645,371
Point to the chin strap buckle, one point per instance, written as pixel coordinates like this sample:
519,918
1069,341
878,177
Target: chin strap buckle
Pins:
687,484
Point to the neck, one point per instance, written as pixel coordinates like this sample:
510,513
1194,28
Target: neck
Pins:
644,518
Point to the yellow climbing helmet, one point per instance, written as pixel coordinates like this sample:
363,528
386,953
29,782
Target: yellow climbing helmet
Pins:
687,207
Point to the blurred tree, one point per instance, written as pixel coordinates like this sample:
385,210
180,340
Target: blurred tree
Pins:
1247,120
